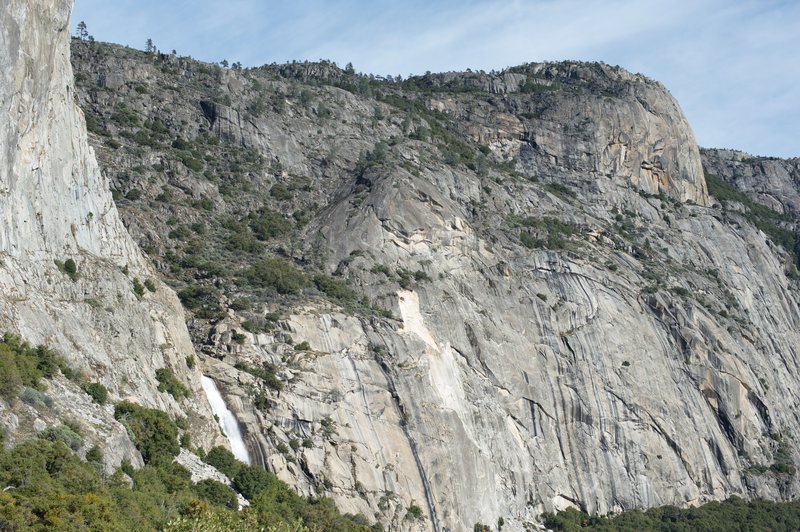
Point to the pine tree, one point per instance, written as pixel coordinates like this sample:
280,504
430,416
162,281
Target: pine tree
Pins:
149,46
83,33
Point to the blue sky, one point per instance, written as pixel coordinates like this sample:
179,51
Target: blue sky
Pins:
733,65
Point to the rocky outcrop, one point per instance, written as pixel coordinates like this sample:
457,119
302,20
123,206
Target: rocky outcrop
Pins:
556,314
599,123
768,180
55,205
531,381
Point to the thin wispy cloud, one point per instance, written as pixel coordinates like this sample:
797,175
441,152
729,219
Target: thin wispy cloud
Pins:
731,64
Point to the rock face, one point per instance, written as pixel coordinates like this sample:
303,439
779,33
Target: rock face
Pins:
590,120
770,181
55,205
530,381
556,314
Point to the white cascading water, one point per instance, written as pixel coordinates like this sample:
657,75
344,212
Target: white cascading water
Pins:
227,421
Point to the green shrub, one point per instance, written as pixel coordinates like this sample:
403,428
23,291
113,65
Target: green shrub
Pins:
216,493
414,512
254,326
336,289
152,431
224,461
21,364
266,373
207,204
782,461
252,480
10,379
179,233
752,515
280,192
277,503
202,300
190,161
168,382
242,240
138,288
563,192
529,241
267,224
380,268
97,391
71,269
681,291
35,398
277,273
95,454
150,285
548,233
64,434
262,402
47,487
302,346
133,194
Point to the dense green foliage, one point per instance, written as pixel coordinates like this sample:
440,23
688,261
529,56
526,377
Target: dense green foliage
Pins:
203,300
223,460
71,269
168,382
65,434
152,431
733,514
138,288
97,392
216,493
50,488
336,289
23,365
250,481
277,273
267,224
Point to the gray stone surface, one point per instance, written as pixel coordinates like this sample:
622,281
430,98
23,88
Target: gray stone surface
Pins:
647,358
768,180
55,205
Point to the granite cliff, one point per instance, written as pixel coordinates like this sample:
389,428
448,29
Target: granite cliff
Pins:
441,301
514,291
56,206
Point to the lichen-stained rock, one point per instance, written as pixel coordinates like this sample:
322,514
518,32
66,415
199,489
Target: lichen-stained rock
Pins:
55,205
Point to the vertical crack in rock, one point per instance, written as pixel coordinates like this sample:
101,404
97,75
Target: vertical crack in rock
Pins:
412,443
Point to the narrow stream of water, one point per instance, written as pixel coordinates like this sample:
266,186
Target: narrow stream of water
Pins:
227,421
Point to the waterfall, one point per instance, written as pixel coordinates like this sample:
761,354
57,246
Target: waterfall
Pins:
227,421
